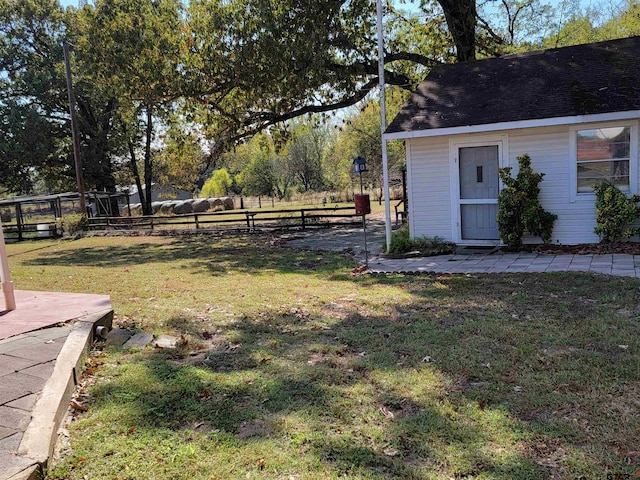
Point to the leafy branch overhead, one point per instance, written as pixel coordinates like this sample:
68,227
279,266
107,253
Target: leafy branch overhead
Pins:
225,70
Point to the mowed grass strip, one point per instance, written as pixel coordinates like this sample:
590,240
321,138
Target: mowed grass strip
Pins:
290,367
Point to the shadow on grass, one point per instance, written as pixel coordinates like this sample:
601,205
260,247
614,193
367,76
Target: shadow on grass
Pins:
492,376
502,376
215,256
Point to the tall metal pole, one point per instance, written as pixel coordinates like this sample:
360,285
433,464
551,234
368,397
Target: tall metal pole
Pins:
364,226
5,277
383,126
74,129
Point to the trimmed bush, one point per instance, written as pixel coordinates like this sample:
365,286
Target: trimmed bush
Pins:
401,243
519,210
615,212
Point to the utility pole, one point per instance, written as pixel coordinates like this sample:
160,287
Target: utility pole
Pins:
74,129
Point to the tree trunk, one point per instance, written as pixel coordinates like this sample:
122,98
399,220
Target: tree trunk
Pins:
148,164
136,176
461,18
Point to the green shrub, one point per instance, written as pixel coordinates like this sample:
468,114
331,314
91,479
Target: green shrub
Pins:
402,243
615,212
519,210
73,223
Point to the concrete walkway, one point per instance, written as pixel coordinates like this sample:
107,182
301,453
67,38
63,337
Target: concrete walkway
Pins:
43,343
609,264
351,241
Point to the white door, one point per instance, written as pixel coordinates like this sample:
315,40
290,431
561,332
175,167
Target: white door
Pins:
479,188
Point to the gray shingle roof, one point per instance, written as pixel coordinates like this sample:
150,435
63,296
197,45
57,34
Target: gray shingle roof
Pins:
580,80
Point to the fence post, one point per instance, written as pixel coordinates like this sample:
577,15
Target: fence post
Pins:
108,223
302,217
19,220
195,216
151,222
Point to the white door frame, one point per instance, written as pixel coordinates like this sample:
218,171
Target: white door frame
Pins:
455,143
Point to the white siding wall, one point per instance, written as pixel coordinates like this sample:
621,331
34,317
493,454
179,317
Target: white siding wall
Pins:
429,195
549,152
549,149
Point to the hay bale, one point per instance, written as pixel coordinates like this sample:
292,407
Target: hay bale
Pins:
166,208
182,208
136,209
155,206
201,205
228,203
216,202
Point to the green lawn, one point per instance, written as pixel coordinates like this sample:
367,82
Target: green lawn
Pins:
291,368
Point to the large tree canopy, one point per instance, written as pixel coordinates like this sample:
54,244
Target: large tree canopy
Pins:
226,69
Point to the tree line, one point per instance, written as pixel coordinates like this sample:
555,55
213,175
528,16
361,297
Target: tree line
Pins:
171,92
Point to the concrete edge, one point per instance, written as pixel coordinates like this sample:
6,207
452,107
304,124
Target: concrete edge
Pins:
40,436
31,473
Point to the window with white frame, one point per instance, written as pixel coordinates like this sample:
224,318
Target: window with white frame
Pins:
603,154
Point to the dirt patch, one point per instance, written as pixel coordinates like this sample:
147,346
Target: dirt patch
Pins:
254,428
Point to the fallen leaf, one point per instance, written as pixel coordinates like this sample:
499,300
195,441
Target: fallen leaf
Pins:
205,394
506,379
390,452
78,406
387,413
131,430
261,463
265,360
481,404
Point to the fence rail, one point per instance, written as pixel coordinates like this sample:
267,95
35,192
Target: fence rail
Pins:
247,220
23,231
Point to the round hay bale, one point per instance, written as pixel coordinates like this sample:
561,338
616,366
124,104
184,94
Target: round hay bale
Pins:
228,203
182,208
155,206
201,205
166,208
216,202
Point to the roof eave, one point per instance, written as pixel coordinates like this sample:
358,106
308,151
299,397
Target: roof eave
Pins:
493,127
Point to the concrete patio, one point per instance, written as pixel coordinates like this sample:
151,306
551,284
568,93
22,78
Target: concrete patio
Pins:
43,343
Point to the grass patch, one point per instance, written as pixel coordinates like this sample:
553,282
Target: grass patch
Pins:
299,370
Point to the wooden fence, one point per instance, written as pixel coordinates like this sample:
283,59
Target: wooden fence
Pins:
245,220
